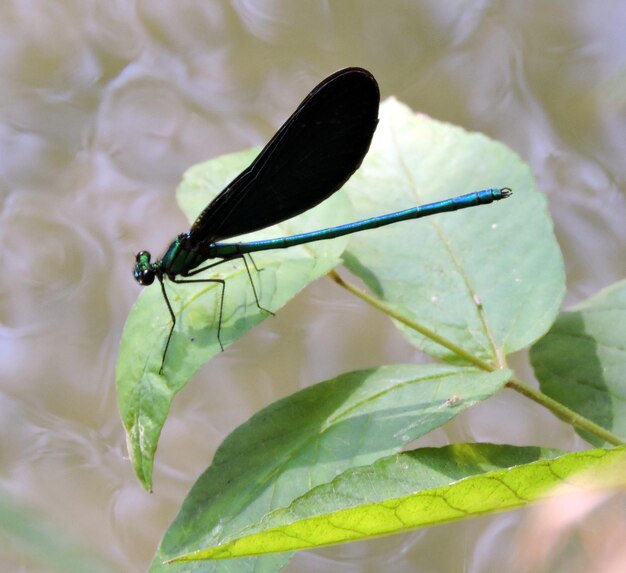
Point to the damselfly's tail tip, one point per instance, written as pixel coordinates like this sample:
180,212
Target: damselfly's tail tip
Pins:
506,192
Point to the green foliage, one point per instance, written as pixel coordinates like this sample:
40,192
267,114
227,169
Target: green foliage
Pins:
398,493
468,288
350,421
582,360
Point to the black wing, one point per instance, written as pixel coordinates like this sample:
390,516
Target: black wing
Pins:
311,156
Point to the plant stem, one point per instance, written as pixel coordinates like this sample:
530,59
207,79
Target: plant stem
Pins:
390,311
559,410
564,413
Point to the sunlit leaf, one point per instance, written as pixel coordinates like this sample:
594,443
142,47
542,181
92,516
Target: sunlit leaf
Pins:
423,488
309,438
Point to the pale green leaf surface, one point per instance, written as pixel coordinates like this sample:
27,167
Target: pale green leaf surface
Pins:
415,489
490,278
581,361
144,396
309,438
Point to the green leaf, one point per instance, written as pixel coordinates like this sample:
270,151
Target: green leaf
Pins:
422,488
144,396
309,438
489,279
31,537
581,362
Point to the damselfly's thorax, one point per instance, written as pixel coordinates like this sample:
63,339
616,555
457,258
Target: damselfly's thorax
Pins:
182,257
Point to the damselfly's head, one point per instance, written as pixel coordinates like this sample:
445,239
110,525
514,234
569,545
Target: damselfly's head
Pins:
144,270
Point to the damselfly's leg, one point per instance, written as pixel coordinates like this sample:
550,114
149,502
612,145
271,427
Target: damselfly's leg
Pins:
219,320
245,262
257,269
173,316
221,311
256,298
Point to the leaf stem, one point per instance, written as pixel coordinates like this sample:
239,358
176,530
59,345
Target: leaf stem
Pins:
559,410
564,413
390,311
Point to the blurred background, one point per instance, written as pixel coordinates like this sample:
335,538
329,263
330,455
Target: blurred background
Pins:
103,106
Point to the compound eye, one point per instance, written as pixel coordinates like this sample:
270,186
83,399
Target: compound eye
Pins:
142,255
147,277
